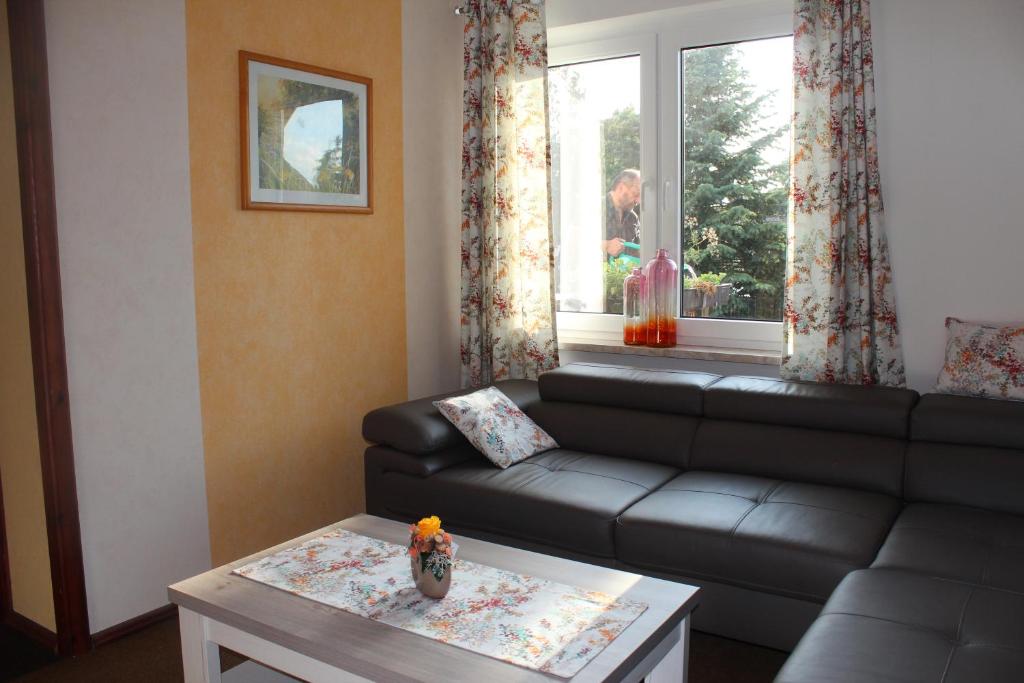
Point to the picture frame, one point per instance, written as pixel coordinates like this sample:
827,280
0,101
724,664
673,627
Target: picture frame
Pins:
306,136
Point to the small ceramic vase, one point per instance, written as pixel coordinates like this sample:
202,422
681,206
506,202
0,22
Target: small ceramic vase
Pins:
427,583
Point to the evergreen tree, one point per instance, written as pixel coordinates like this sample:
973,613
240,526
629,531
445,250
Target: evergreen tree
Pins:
734,203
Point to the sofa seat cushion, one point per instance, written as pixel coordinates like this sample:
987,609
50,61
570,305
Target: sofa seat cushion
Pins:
561,498
776,536
960,543
892,625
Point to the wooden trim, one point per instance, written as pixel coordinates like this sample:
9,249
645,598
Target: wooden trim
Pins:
244,58
40,634
133,625
27,29
6,601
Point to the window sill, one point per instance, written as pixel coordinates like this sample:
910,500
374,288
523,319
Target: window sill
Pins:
710,353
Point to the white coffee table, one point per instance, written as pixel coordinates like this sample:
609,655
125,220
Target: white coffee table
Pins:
287,634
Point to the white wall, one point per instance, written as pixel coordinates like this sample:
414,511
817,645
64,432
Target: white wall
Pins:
950,88
432,103
118,94
565,12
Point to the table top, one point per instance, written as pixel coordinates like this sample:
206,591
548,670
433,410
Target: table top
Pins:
381,652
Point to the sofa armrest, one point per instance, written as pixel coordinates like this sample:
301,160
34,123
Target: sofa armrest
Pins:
384,459
417,427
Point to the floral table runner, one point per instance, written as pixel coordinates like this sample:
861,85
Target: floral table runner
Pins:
533,623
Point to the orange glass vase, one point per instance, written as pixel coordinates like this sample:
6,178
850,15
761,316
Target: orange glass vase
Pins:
634,323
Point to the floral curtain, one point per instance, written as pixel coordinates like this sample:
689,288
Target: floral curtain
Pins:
840,312
508,320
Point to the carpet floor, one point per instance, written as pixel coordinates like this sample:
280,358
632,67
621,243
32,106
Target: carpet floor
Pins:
154,656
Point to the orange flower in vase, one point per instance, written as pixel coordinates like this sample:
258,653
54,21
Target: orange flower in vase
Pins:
431,554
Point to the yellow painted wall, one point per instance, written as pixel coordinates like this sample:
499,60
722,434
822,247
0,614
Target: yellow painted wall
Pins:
31,590
300,316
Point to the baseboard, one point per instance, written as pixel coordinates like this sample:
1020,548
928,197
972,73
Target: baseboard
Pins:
40,634
134,624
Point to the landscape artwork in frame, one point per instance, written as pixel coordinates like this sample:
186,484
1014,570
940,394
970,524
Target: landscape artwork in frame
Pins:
305,137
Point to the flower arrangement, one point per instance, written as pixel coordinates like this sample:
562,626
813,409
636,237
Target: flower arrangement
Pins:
706,283
431,546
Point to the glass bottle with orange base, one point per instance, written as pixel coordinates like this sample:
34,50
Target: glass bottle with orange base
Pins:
662,282
634,322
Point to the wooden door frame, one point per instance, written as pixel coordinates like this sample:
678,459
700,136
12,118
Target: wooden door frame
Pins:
5,571
27,28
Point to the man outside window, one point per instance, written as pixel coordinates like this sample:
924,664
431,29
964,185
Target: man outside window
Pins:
621,222
621,244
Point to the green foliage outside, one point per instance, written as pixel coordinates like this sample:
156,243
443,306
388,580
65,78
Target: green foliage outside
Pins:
703,281
734,203
620,144
615,272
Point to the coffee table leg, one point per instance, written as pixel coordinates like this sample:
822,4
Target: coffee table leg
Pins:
673,667
199,655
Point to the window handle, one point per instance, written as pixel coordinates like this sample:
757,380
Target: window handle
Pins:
666,192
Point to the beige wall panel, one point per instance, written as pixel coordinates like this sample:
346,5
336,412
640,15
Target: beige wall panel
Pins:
20,469
301,316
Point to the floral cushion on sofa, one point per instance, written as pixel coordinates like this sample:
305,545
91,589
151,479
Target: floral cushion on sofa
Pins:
983,360
496,426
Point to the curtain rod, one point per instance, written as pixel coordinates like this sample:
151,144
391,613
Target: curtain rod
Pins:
461,9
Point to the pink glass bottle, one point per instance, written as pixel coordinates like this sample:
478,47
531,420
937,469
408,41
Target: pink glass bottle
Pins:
634,323
662,279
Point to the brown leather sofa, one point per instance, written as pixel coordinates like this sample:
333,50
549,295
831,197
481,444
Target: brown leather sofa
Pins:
881,530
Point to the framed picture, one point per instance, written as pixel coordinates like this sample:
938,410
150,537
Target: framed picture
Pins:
305,137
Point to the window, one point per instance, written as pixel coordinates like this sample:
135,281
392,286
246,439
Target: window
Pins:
596,180
736,113
678,139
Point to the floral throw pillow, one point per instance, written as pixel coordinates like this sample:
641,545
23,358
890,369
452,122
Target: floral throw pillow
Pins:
496,426
983,360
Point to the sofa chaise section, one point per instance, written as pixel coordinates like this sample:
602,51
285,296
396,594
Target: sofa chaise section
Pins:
893,625
944,599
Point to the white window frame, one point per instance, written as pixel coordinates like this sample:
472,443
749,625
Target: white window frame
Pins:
659,38
643,46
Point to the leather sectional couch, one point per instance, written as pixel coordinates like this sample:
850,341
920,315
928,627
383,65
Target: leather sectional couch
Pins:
879,532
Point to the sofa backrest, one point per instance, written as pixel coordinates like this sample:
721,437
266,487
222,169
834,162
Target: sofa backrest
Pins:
826,434
939,449
967,451
637,413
